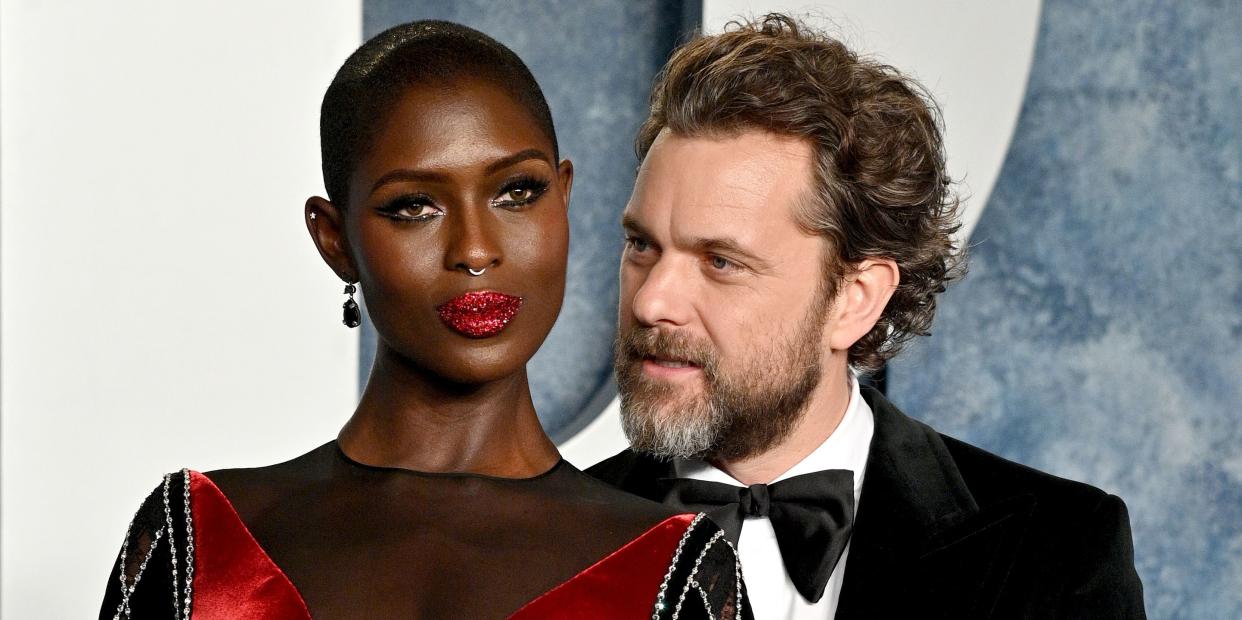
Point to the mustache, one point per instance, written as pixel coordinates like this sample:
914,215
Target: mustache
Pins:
638,343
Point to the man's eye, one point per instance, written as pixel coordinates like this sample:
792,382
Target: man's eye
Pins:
720,263
637,243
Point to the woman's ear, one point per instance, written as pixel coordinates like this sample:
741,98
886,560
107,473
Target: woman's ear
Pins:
565,174
326,224
863,296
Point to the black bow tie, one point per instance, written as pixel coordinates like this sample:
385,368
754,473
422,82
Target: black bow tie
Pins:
812,515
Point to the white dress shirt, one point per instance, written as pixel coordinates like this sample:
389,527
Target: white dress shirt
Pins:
772,594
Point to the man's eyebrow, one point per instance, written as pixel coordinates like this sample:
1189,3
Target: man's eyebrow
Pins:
408,174
729,246
630,224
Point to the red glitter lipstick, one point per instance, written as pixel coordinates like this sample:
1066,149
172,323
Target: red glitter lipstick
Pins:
479,314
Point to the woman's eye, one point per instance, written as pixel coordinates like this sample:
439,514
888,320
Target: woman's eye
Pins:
520,193
410,209
420,211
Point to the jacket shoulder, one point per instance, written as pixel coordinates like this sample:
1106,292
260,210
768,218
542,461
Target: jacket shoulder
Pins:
614,468
632,472
1078,535
989,476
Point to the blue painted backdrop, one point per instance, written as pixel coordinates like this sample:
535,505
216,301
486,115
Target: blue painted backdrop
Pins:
595,60
1099,334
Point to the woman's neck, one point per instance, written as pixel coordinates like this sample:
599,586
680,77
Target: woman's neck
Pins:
411,420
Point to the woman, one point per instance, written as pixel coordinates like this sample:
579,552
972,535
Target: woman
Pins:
441,496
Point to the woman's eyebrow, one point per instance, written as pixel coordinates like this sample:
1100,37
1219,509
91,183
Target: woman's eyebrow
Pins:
405,174
520,156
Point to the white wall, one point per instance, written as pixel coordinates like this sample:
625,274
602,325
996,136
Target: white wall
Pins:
162,303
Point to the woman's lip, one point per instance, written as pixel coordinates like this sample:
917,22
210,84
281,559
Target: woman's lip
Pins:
479,314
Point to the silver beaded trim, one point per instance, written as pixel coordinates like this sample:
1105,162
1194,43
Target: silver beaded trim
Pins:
128,588
662,597
172,546
737,578
691,582
189,547
181,606
694,572
681,544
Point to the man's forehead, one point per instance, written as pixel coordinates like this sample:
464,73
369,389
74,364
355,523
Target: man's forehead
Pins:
742,186
733,151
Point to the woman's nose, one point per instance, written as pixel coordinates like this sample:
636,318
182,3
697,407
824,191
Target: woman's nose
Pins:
473,245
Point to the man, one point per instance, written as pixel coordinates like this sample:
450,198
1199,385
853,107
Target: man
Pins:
790,226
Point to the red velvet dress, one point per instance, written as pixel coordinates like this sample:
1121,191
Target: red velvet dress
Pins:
335,538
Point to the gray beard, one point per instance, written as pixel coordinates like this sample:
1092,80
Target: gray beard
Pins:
740,414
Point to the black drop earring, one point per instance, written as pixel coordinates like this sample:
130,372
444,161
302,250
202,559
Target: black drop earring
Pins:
353,316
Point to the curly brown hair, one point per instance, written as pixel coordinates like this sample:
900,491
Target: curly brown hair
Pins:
880,190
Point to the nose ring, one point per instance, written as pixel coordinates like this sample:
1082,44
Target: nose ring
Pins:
476,273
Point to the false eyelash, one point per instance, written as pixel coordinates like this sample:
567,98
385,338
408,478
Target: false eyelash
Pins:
392,208
537,187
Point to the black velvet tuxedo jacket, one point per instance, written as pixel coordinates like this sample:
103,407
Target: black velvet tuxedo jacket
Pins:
946,530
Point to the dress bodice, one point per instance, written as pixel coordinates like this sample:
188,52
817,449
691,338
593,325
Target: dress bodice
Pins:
327,537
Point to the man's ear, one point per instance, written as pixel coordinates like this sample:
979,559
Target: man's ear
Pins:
326,224
863,296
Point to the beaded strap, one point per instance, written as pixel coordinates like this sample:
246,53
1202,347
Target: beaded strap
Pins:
128,588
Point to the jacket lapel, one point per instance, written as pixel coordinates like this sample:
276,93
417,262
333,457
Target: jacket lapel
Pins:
921,545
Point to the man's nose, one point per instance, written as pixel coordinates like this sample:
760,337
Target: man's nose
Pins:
664,296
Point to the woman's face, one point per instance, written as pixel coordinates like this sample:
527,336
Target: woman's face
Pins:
457,179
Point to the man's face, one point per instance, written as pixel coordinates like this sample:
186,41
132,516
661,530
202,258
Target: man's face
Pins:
724,302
